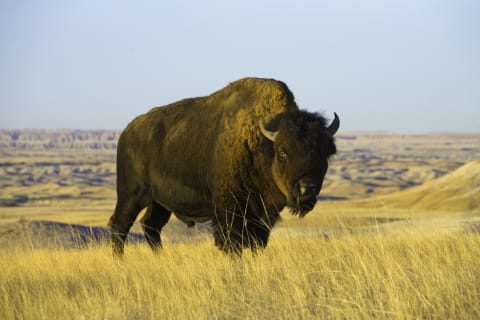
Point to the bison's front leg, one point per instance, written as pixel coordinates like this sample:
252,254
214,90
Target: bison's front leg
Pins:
257,233
260,222
227,230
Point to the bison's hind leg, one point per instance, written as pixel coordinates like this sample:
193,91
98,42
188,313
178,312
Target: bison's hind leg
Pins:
126,211
152,223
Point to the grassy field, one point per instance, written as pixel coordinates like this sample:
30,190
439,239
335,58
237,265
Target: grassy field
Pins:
409,275
403,242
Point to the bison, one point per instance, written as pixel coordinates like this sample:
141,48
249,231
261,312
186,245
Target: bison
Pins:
236,158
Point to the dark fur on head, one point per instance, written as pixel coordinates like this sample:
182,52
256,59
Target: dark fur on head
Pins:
299,156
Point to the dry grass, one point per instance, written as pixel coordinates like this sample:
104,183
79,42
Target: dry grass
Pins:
432,275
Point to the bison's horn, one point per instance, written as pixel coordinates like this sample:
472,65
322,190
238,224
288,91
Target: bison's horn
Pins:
333,128
270,135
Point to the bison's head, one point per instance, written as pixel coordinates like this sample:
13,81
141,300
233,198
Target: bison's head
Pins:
302,144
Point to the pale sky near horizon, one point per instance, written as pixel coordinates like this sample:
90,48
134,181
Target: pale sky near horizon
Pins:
398,65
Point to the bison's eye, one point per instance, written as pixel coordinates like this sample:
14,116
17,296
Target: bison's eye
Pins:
282,155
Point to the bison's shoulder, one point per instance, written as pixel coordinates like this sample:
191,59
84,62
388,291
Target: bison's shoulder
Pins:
257,96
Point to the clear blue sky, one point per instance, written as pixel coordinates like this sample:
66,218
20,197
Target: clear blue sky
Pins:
397,65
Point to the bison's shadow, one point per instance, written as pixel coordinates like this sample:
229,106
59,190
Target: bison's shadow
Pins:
51,234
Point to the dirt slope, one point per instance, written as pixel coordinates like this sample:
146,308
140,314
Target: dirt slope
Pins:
455,191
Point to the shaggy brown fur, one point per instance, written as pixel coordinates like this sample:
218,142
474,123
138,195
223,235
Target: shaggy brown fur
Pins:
206,159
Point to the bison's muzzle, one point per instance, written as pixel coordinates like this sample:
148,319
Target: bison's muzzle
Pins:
305,193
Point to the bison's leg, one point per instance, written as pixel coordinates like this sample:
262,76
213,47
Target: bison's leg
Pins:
126,211
227,230
152,222
231,238
260,225
258,233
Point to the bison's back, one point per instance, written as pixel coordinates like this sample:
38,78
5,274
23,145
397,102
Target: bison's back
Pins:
190,128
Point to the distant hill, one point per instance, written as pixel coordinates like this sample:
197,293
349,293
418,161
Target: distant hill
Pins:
458,190
38,139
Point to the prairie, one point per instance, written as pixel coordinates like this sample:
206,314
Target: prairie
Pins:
413,275
395,234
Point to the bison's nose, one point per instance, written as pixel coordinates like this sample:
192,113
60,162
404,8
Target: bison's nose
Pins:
306,187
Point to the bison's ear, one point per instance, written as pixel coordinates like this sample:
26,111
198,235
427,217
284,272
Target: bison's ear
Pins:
270,135
333,127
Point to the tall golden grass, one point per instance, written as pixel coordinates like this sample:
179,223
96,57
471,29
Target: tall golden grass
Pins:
409,275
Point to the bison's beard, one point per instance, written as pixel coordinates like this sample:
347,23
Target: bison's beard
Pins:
302,206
